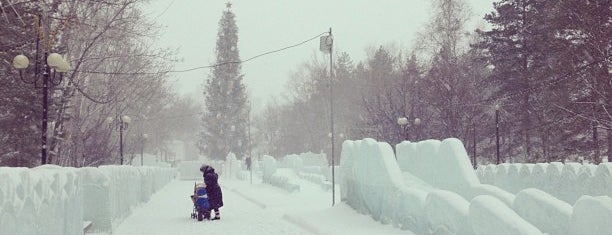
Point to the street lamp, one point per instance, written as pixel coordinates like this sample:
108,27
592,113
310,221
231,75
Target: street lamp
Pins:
497,132
403,122
121,124
55,63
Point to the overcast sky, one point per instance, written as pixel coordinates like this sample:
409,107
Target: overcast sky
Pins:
265,25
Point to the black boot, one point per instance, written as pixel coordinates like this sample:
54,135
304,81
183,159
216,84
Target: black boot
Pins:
217,215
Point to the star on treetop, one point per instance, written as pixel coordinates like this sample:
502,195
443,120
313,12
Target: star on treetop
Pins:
228,5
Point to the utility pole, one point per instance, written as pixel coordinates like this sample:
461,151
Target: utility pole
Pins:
326,46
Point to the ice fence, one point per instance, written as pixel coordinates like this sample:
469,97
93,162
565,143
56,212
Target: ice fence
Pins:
56,200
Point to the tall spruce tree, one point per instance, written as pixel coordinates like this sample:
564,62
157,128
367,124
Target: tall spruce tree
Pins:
517,48
224,123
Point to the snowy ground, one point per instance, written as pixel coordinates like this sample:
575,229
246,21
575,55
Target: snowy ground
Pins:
251,209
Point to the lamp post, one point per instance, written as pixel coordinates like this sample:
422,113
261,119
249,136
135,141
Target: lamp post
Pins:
142,144
417,124
403,122
474,145
497,133
121,124
55,64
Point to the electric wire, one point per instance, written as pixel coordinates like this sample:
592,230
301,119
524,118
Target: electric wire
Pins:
206,66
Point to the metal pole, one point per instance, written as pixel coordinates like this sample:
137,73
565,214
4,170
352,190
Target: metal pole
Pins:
474,142
497,134
142,150
46,72
250,147
121,141
331,104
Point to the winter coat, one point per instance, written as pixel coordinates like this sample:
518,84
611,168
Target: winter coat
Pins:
212,187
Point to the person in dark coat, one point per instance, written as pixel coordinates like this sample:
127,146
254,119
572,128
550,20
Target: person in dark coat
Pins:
213,189
248,162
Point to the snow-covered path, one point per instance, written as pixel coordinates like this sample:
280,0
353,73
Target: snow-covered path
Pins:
250,209
169,210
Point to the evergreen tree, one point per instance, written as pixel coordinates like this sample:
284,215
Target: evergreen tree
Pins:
20,101
517,47
226,109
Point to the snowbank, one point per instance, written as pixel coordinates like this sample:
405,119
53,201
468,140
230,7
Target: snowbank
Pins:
56,200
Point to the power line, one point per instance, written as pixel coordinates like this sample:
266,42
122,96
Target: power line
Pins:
207,66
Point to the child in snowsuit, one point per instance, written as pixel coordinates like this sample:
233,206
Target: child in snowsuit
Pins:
213,189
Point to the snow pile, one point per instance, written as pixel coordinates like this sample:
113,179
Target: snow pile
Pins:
564,181
56,200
